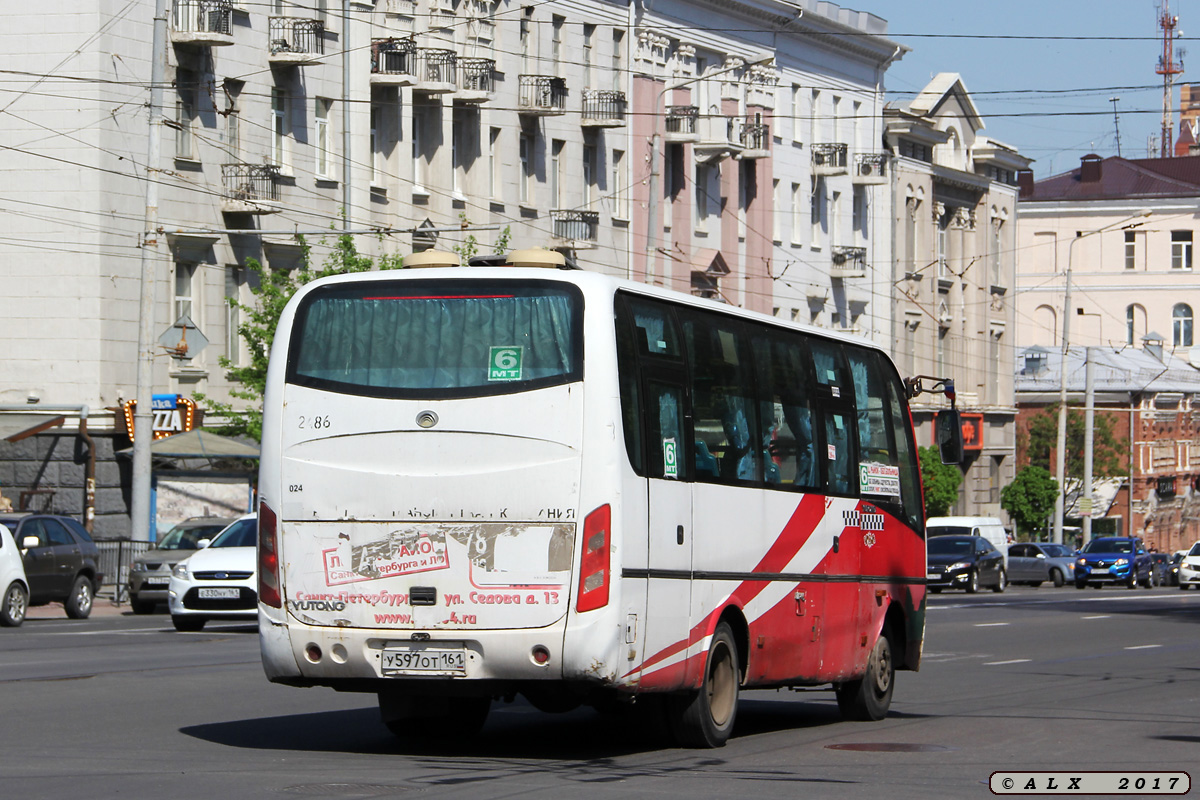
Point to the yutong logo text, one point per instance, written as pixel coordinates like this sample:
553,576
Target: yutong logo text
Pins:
317,605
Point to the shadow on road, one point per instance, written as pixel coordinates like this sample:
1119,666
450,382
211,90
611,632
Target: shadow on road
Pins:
513,731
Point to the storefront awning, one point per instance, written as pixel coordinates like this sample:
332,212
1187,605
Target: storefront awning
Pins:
15,427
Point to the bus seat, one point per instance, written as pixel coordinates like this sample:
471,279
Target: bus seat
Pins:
706,462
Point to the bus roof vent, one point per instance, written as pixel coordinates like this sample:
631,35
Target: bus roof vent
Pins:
432,258
551,259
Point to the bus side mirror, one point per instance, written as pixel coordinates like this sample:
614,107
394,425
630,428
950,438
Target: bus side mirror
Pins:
948,430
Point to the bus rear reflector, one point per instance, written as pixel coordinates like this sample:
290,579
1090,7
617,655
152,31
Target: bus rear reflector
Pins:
268,558
594,569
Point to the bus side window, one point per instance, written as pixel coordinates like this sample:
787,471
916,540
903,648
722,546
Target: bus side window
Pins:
724,410
839,448
906,454
652,397
785,411
631,400
870,400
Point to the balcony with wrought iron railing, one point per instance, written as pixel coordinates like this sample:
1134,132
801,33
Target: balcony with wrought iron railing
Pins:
681,124
829,158
392,62
848,262
250,188
542,95
574,228
603,108
476,80
202,22
434,70
295,41
871,168
755,138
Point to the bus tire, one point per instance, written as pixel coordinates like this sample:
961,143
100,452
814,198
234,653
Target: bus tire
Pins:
868,698
705,718
421,718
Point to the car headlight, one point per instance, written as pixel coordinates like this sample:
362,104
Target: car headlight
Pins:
138,566
1120,562
959,565
1081,562
180,571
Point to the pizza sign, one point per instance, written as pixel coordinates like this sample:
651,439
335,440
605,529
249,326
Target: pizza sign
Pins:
172,414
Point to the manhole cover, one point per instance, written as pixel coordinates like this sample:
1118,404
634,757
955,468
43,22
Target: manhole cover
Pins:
344,789
891,747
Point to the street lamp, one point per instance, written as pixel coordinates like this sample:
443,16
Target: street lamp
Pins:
656,156
1060,459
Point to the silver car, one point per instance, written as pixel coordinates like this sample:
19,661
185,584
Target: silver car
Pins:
1036,562
150,573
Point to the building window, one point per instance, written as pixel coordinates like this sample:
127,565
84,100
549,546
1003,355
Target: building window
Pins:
997,268
324,138
943,269
526,159
776,212
1130,250
814,111
458,167
233,314
995,478
556,31
817,213
185,115
591,171
279,131
420,118
589,35
233,135
526,55
618,59
859,214
1181,249
556,172
837,120
1181,325
797,111
184,275
704,173
494,180
1130,320
377,144
855,128
617,189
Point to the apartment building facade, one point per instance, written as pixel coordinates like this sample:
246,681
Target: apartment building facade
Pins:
414,124
954,277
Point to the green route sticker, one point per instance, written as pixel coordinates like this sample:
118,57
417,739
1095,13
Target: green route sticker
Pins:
504,363
670,459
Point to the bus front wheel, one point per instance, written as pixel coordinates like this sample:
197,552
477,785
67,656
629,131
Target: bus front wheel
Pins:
705,718
869,697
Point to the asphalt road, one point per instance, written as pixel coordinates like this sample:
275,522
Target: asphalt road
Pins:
1033,679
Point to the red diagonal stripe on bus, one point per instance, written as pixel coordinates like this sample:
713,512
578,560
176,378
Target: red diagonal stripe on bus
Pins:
803,522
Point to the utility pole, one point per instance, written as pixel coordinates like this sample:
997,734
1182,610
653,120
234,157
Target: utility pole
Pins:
143,416
346,115
1089,441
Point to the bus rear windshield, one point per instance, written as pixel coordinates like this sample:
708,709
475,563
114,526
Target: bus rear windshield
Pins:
437,339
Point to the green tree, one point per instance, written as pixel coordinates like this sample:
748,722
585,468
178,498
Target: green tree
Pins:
1029,499
1041,438
273,290
940,480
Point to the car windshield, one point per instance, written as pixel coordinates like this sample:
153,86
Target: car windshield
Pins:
242,533
1108,546
180,538
948,530
1195,551
1057,550
947,546
11,524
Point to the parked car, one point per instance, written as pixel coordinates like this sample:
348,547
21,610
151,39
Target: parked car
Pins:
1113,559
964,562
1160,569
150,573
219,581
1036,562
61,561
1173,572
12,578
1189,568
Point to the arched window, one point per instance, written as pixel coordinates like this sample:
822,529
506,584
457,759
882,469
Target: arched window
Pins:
1181,318
1135,323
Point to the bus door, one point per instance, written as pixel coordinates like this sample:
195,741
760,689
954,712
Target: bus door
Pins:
665,455
840,570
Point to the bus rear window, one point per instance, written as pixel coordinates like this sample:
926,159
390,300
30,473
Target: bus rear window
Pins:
435,339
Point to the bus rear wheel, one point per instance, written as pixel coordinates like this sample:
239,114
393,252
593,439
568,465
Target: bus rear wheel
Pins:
869,697
424,718
705,718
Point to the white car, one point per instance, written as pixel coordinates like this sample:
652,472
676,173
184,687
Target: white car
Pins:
1189,568
219,581
12,578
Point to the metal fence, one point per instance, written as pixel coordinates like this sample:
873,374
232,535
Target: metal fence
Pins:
116,555
202,16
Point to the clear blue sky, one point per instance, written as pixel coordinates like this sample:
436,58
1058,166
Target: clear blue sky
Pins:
1092,67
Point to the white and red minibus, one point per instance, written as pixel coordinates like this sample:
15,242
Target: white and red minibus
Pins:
484,481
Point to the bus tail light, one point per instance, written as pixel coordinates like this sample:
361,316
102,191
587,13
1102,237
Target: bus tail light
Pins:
594,566
268,558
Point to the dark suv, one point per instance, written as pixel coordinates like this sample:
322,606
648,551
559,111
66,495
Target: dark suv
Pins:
1113,559
62,563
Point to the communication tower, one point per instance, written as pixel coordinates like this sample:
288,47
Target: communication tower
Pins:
1168,67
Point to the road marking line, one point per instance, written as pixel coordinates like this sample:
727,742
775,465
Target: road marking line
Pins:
991,624
1100,616
1002,663
1143,647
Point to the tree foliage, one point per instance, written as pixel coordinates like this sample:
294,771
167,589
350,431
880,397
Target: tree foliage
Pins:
1042,438
941,482
1029,499
272,290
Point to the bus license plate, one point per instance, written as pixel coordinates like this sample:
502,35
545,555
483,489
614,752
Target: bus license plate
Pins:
220,594
426,661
